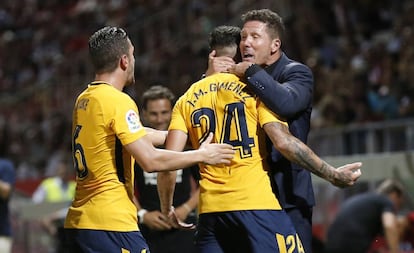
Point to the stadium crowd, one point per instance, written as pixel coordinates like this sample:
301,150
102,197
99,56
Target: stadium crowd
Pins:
360,52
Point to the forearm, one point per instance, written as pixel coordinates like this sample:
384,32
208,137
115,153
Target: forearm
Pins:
165,160
153,159
296,151
392,241
157,137
192,202
391,231
166,187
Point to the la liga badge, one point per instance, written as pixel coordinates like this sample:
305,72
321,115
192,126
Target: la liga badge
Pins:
132,120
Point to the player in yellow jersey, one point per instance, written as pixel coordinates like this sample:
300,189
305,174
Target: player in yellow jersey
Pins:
107,137
238,210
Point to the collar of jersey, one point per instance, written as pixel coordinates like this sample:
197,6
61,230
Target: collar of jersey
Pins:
99,83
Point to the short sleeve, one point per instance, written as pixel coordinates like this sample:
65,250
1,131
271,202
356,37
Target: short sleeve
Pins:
126,122
267,116
177,118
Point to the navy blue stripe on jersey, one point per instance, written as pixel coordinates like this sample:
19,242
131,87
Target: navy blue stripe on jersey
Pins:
119,162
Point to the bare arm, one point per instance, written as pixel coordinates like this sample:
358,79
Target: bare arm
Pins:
152,159
297,152
176,140
185,209
157,137
391,231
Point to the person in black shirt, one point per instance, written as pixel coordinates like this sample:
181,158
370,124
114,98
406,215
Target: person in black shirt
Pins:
363,217
157,103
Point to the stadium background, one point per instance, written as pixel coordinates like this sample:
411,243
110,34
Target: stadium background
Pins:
360,52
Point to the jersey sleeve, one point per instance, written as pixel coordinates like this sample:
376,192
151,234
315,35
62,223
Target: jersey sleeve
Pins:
177,117
267,116
126,123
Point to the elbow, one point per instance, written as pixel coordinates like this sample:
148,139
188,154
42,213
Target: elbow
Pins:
149,167
279,135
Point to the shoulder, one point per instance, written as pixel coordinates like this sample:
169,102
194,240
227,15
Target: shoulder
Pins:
294,66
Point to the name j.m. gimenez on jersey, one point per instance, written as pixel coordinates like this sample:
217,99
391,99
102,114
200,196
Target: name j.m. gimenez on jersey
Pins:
235,87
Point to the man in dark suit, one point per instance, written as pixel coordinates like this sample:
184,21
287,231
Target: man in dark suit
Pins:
286,87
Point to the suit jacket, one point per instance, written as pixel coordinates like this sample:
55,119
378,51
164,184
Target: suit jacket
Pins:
286,88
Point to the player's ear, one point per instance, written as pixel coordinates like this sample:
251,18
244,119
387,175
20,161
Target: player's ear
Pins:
123,62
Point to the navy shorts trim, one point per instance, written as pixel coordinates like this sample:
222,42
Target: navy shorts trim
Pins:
99,241
254,231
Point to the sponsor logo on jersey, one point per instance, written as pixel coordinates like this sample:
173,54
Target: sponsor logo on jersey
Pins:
132,120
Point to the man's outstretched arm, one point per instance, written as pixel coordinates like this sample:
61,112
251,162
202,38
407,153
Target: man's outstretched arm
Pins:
298,152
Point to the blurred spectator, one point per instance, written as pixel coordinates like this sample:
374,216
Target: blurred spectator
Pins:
363,217
7,180
55,189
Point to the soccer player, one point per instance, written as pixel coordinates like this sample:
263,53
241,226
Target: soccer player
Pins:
107,137
238,210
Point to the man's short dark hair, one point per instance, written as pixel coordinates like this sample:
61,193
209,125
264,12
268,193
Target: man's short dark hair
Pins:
106,46
157,92
272,20
223,36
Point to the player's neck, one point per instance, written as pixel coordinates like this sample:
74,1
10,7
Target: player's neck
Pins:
112,79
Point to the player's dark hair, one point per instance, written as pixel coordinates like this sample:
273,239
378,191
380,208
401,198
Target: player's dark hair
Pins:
223,36
106,46
273,21
157,92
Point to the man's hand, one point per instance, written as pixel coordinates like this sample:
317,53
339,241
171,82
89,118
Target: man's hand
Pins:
217,64
155,220
347,175
182,212
240,68
177,223
216,153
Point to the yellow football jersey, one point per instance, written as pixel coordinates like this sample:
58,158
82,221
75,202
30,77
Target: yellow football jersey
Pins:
220,104
104,119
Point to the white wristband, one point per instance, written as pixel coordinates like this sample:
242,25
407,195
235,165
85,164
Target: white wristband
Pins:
141,214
